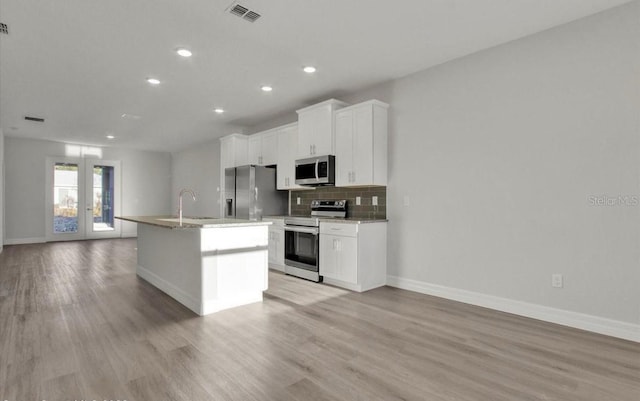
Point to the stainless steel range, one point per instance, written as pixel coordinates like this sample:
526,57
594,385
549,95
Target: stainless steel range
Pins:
302,238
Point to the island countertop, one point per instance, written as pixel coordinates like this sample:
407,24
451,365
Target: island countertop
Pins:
192,222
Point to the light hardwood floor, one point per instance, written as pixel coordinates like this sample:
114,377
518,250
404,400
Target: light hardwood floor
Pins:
76,323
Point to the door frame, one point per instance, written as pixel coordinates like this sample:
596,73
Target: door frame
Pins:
89,233
85,198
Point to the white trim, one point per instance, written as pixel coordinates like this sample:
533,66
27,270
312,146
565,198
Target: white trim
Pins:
21,241
129,234
171,290
614,328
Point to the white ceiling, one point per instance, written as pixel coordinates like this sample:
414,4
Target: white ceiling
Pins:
82,64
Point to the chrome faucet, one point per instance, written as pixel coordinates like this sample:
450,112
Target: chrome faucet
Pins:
183,191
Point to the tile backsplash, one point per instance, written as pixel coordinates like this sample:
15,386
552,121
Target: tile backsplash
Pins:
364,210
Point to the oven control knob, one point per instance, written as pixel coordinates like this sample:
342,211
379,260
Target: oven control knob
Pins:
341,203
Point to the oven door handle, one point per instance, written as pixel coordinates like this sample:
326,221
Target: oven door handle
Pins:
298,229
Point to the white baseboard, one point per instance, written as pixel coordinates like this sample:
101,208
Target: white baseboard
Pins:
170,289
21,241
129,235
614,328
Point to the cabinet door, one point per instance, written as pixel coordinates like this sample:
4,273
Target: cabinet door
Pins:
323,135
306,132
276,245
279,258
347,259
255,149
269,149
329,256
287,142
362,145
344,147
273,246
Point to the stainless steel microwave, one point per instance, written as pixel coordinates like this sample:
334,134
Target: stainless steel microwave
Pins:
316,171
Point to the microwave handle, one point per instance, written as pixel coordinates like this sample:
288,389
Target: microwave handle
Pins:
317,162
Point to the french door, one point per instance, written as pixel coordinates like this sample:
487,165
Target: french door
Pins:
83,198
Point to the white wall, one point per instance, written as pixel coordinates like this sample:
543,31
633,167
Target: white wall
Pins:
498,153
197,168
146,182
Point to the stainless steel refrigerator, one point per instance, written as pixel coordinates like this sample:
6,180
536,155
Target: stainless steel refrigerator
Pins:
250,193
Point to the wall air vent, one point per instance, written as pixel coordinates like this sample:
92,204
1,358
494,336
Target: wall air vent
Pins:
4,28
243,12
36,119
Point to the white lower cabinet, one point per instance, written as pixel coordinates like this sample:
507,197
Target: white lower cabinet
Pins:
354,256
276,244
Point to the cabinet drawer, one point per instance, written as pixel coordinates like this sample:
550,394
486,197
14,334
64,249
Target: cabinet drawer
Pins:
344,229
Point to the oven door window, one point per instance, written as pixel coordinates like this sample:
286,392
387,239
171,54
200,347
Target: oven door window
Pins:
302,249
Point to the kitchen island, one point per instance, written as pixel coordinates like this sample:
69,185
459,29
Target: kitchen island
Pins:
206,264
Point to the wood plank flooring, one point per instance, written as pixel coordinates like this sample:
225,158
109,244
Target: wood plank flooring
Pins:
76,323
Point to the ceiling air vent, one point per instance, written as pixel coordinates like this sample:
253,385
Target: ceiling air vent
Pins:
36,119
4,28
243,12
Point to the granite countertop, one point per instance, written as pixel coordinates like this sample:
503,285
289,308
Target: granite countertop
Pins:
192,222
346,220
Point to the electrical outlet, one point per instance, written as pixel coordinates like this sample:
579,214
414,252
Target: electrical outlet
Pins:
374,200
557,280
298,200
358,201
407,200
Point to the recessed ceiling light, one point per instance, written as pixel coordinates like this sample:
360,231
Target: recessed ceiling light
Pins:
184,52
111,137
267,88
309,69
153,81
219,110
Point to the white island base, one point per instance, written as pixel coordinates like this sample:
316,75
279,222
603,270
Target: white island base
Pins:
206,269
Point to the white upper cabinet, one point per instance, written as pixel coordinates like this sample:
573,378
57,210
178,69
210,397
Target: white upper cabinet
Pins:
287,145
361,144
263,148
233,151
316,129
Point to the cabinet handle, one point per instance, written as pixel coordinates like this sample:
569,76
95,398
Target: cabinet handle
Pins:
353,176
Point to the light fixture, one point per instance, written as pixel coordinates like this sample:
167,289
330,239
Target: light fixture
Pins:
183,52
111,137
219,110
266,88
309,69
153,81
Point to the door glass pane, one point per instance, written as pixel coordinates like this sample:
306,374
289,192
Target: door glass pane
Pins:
65,198
103,198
